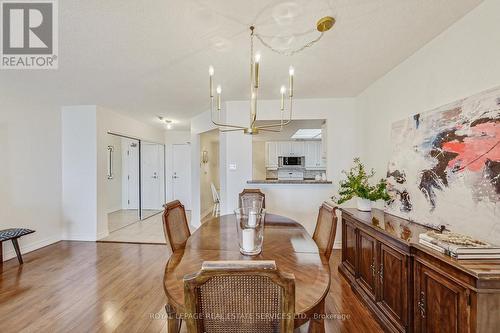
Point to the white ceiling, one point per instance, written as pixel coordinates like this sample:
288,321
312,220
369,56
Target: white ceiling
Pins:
149,58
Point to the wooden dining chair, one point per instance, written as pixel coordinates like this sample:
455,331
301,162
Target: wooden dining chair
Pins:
175,225
239,296
326,227
249,192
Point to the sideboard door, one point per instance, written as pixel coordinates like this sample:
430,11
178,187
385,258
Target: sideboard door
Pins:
349,247
393,286
367,270
440,304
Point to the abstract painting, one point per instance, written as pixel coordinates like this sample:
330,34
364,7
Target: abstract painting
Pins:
445,167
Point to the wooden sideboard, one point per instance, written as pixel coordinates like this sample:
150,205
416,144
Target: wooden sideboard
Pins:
411,288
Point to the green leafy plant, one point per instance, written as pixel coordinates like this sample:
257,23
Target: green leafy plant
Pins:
357,185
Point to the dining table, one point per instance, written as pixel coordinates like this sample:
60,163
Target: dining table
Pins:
285,241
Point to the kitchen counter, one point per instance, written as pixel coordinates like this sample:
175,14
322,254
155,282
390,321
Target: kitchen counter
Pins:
277,181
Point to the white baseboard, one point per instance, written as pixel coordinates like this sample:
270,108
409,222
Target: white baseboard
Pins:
82,238
26,248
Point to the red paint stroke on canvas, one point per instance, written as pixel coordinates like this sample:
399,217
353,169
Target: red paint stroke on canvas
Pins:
480,145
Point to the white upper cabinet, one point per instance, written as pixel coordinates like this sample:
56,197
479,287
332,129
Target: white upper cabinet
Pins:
313,155
272,155
311,150
291,148
297,148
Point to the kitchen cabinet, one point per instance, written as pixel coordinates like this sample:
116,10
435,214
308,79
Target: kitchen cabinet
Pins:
291,148
311,150
272,155
313,157
297,148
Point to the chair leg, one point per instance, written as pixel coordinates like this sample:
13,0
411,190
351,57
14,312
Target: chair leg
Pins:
317,324
18,252
173,323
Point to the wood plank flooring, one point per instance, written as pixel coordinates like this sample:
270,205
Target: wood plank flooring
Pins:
117,287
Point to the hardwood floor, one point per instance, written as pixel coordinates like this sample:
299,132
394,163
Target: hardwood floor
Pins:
105,287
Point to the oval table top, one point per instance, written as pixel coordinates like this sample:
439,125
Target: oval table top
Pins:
285,241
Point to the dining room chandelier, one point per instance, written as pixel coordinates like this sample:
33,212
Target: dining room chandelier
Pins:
323,25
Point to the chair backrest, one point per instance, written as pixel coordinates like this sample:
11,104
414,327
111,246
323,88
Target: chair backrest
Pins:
239,296
175,225
249,192
215,194
326,226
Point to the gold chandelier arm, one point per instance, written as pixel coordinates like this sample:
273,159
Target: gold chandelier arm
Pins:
269,130
217,123
231,130
281,124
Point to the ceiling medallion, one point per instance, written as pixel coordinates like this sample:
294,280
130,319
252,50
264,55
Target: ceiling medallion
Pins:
323,25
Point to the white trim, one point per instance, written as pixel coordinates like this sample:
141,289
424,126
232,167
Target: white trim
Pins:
26,248
337,245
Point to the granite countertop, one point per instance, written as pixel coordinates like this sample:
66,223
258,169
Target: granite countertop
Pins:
277,181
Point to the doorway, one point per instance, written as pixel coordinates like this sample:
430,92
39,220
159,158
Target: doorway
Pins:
152,178
181,174
209,175
135,187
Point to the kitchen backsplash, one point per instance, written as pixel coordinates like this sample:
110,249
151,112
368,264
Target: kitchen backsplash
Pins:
308,174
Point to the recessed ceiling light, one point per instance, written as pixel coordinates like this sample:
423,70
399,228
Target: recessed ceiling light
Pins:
309,133
169,124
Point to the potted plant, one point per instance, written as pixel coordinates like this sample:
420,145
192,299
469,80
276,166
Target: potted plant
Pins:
357,185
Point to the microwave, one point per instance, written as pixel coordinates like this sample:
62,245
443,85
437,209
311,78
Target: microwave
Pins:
291,161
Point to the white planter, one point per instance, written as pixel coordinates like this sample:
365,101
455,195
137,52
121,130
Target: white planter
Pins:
364,205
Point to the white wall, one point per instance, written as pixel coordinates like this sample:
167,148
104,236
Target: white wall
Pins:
259,159
85,183
114,189
79,173
30,170
462,61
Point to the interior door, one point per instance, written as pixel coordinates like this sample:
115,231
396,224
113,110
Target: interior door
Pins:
181,174
367,263
130,175
152,180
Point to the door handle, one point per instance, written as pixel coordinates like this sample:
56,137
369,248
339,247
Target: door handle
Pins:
421,304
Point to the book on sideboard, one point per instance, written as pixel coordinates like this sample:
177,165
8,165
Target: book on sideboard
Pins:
459,246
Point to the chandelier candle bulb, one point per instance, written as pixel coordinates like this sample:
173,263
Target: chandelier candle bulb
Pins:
283,90
291,71
219,92
211,73
256,70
